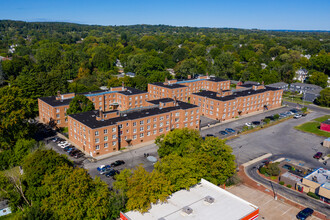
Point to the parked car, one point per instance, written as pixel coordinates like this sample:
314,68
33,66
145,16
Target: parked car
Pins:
105,170
289,113
117,163
303,114
71,149
248,124
78,155
271,117
62,143
111,173
65,145
223,132
230,130
210,135
295,111
54,139
103,166
73,152
256,123
282,115
304,214
318,155
68,148
296,116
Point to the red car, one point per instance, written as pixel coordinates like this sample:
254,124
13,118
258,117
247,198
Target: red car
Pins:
318,155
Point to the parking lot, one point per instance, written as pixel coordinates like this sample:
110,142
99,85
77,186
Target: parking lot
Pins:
269,209
238,124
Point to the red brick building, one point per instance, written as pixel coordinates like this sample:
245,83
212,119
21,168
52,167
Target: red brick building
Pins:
325,126
228,104
98,133
181,90
54,108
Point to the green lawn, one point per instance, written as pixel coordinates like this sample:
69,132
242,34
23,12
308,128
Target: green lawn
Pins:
321,119
313,127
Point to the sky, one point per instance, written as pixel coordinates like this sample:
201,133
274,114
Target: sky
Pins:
248,14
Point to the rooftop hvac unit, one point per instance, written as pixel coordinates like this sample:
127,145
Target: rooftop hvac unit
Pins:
209,199
187,210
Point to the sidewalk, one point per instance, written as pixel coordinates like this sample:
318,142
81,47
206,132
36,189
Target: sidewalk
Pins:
241,117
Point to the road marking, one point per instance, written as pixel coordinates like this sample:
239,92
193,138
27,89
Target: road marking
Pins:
287,211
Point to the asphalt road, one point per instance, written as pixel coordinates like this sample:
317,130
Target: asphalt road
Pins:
288,193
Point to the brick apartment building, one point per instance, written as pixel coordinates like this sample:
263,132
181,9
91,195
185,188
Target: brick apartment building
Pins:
182,90
228,104
98,133
54,108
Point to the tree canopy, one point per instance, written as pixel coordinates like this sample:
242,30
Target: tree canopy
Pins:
80,103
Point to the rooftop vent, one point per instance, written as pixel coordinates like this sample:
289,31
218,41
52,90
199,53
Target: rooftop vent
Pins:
187,210
209,199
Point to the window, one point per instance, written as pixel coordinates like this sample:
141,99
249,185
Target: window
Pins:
167,116
148,127
141,122
177,114
161,124
96,133
134,123
58,122
148,133
186,125
148,121
160,130
105,131
155,131
97,140
161,118
114,129
141,135
114,143
155,125
105,138
155,119
57,115
105,145
97,147
134,130
134,137
141,128
57,110
114,136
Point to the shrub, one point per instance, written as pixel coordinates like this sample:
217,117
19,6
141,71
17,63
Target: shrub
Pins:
262,170
276,116
313,195
281,183
266,120
273,177
289,186
273,169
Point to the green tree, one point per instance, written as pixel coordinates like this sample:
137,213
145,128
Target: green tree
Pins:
318,78
178,141
324,98
321,63
80,103
185,68
15,110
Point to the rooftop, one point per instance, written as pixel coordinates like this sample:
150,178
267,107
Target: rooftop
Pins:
164,100
237,93
326,122
89,118
306,85
278,84
51,100
320,176
204,200
177,84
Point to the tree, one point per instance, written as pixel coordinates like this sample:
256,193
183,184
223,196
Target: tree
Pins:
80,103
143,188
178,141
185,68
2,75
15,110
318,78
321,63
70,193
324,98
180,54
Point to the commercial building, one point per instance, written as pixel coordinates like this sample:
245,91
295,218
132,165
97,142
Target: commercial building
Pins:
317,182
53,109
229,104
182,90
325,125
98,133
202,201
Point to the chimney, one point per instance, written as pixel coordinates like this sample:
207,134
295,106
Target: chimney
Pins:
59,97
100,118
175,102
189,76
207,75
123,85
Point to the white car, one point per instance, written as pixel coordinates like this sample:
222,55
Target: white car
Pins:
62,142
248,124
297,116
64,145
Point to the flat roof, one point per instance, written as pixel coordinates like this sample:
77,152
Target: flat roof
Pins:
177,84
326,122
89,118
320,176
226,205
51,100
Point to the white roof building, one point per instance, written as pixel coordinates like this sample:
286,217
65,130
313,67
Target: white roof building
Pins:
202,201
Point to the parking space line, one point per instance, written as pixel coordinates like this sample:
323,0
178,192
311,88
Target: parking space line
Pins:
287,211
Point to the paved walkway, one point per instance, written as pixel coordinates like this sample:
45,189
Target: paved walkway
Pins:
269,208
251,183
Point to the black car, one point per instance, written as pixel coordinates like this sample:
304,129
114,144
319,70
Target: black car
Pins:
117,163
78,155
73,152
223,132
111,173
295,111
210,135
256,122
303,214
271,117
